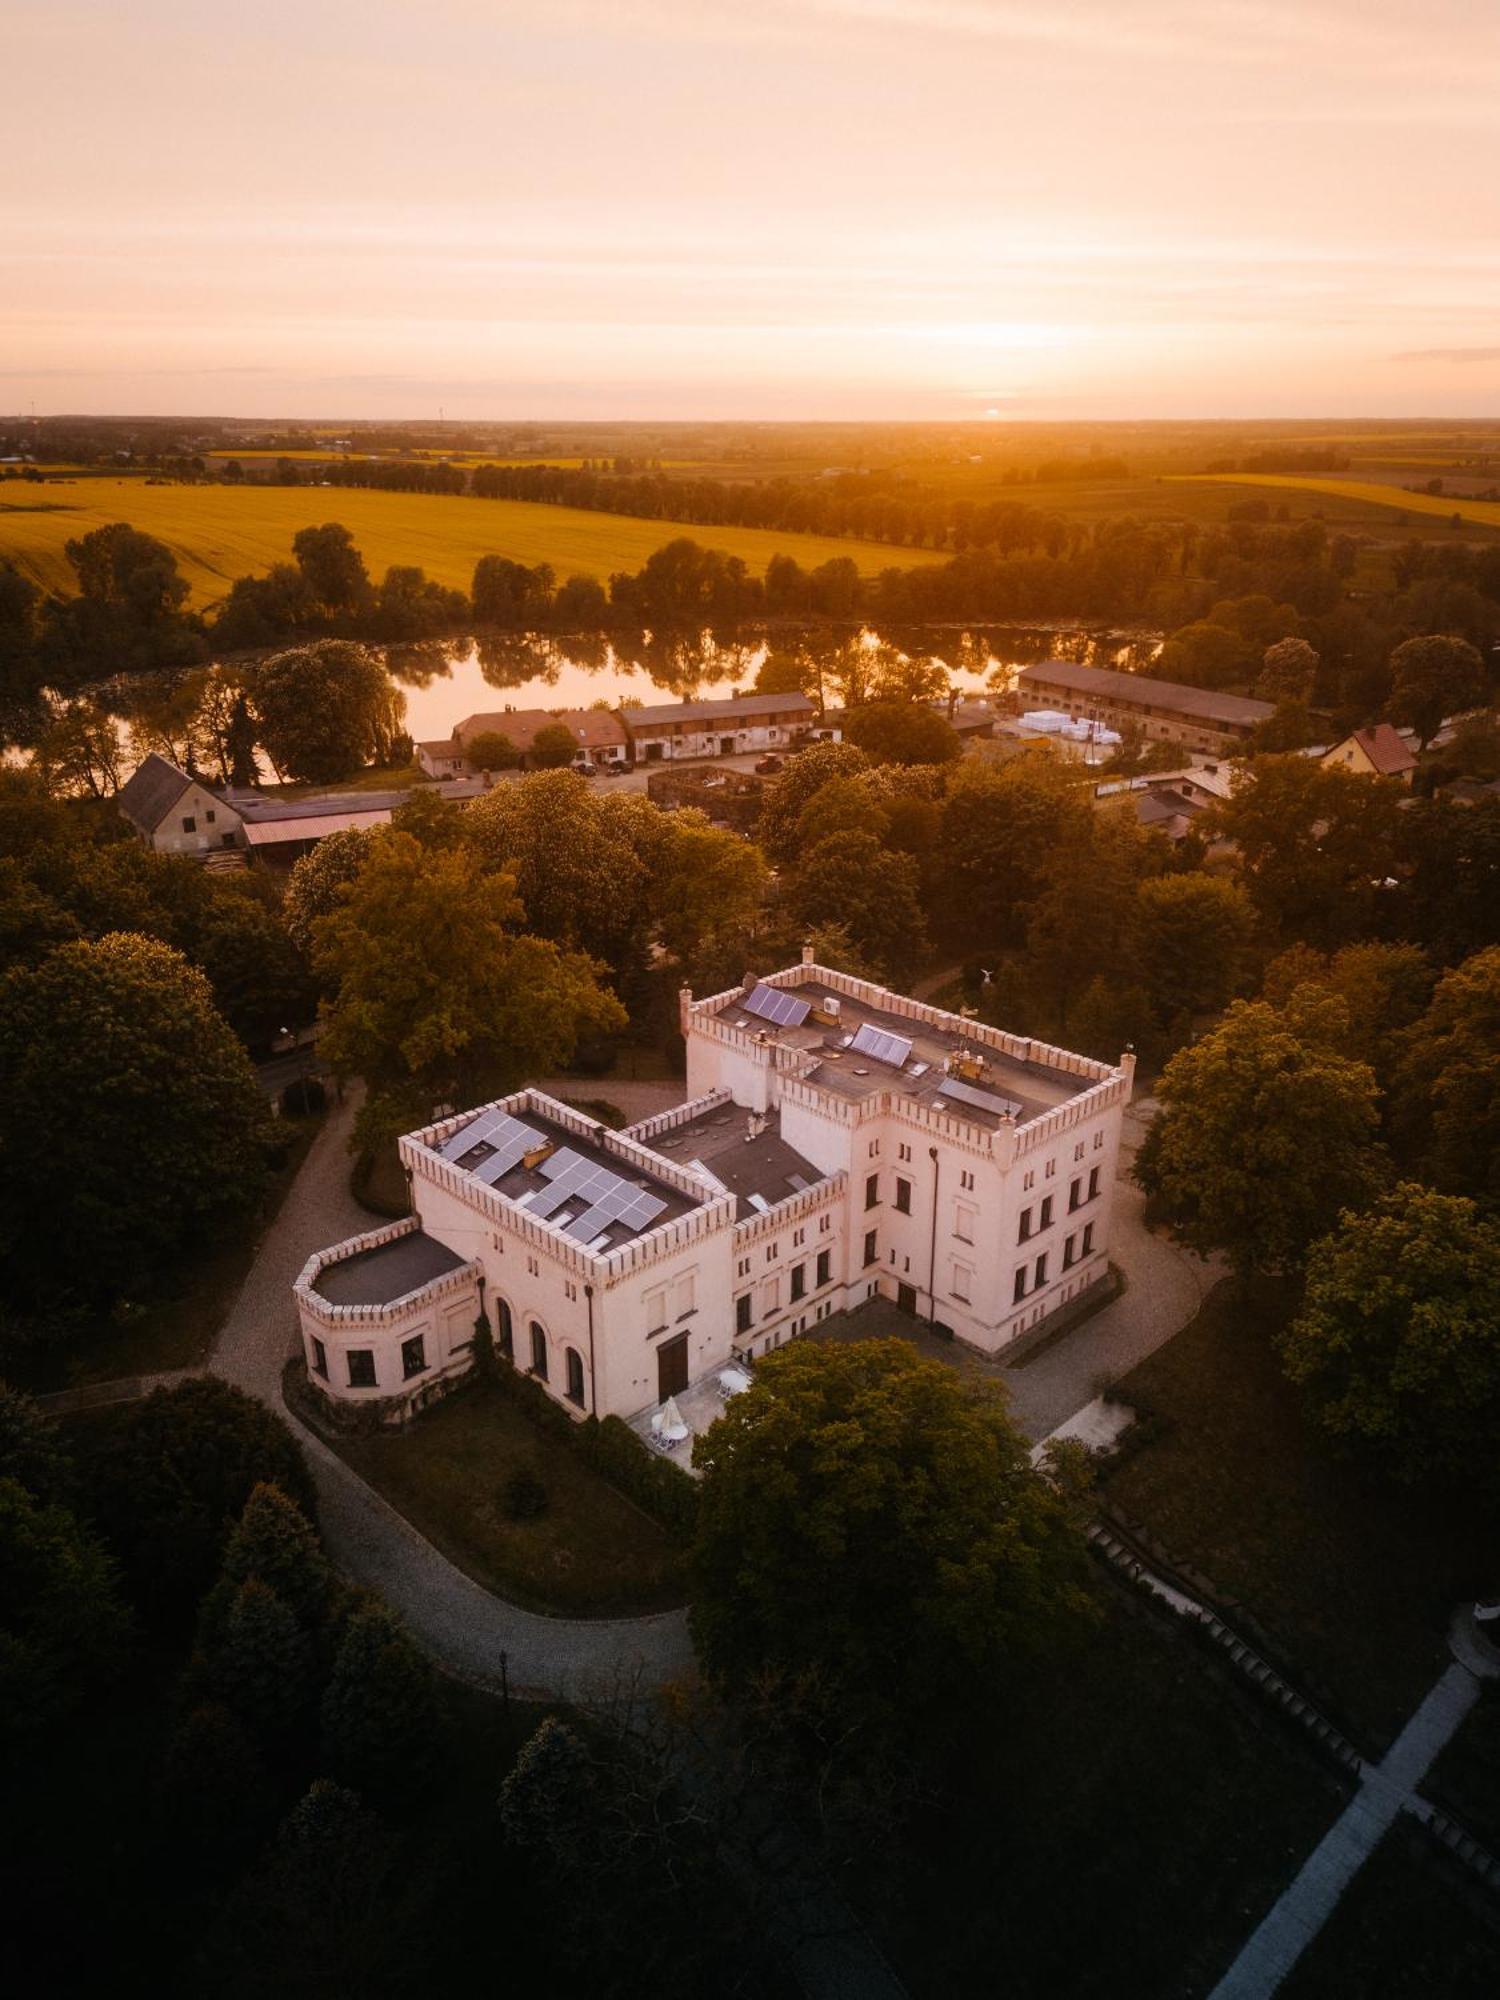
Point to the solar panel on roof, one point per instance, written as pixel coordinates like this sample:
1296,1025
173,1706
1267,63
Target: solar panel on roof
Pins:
982,1100
884,1047
487,1129
783,1010
512,1142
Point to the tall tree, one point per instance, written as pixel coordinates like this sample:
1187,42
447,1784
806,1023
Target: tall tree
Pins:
1267,1131
1317,847
379,1713
1398,1338
901,732
316,884
119,1073
850,879
333,567
324,711
1431,679
1288,670
1194,934
1001,825
62,1629
1446,1091
176,1477
437,997
871,1525
787,796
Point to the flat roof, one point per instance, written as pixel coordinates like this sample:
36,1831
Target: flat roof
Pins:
849,1072
762,1166
1204,703
522,1185
380,1276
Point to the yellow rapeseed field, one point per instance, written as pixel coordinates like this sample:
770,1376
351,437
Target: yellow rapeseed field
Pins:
220,532
1485,512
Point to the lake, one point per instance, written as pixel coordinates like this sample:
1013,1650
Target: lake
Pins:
444,681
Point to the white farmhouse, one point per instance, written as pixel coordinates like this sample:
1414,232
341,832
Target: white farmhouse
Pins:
839,1142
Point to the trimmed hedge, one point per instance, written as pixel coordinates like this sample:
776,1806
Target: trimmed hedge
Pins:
614,1451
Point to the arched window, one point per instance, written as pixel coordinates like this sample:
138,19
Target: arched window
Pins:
538,1350
575,1376
507,1328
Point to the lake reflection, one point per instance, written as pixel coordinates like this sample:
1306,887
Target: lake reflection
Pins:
444,681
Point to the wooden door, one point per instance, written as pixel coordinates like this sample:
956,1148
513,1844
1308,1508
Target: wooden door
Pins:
671,1367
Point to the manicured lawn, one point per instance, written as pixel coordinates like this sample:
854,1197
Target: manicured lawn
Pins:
220,532
592,1553
1352,1580
1403,1931
1126,1823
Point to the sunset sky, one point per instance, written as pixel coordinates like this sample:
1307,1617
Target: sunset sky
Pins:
776,208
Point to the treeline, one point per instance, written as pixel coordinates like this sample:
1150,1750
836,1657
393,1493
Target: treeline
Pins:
1224,595
281,1792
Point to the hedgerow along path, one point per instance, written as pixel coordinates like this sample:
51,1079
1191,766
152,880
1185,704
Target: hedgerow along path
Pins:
218,533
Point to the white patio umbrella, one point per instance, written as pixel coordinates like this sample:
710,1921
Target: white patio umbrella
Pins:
670,1424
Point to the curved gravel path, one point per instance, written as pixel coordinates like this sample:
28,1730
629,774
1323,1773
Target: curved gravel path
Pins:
461,1624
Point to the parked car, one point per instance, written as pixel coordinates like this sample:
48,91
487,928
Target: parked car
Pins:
768,766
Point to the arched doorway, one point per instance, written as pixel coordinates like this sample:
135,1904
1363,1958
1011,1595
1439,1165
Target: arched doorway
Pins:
575,1376
538,1350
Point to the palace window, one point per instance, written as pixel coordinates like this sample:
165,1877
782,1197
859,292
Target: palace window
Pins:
825,1267
361,1368
413,1357
320,1358
872,1191
871,1251
574,1362
903,1196
538,1351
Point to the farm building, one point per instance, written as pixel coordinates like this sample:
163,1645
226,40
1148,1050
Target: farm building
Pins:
1161,711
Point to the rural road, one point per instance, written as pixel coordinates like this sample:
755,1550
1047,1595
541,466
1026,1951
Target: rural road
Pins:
463,1625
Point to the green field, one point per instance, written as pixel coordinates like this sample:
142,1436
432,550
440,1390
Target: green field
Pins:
1486,513
220,532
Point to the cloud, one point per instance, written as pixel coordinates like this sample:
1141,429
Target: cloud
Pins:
1459,356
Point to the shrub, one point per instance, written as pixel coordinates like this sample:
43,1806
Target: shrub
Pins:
523,1497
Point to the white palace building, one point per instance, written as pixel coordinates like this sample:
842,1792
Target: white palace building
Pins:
838,1142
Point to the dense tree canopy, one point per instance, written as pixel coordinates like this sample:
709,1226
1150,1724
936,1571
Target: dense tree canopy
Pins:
1398,1338
1267,1131
1433,678
871,1524
1447,1084
325,710
901,732
1317,847
176,1478
437,995
130,1120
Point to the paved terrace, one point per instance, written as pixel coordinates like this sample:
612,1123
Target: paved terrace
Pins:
1036,1087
